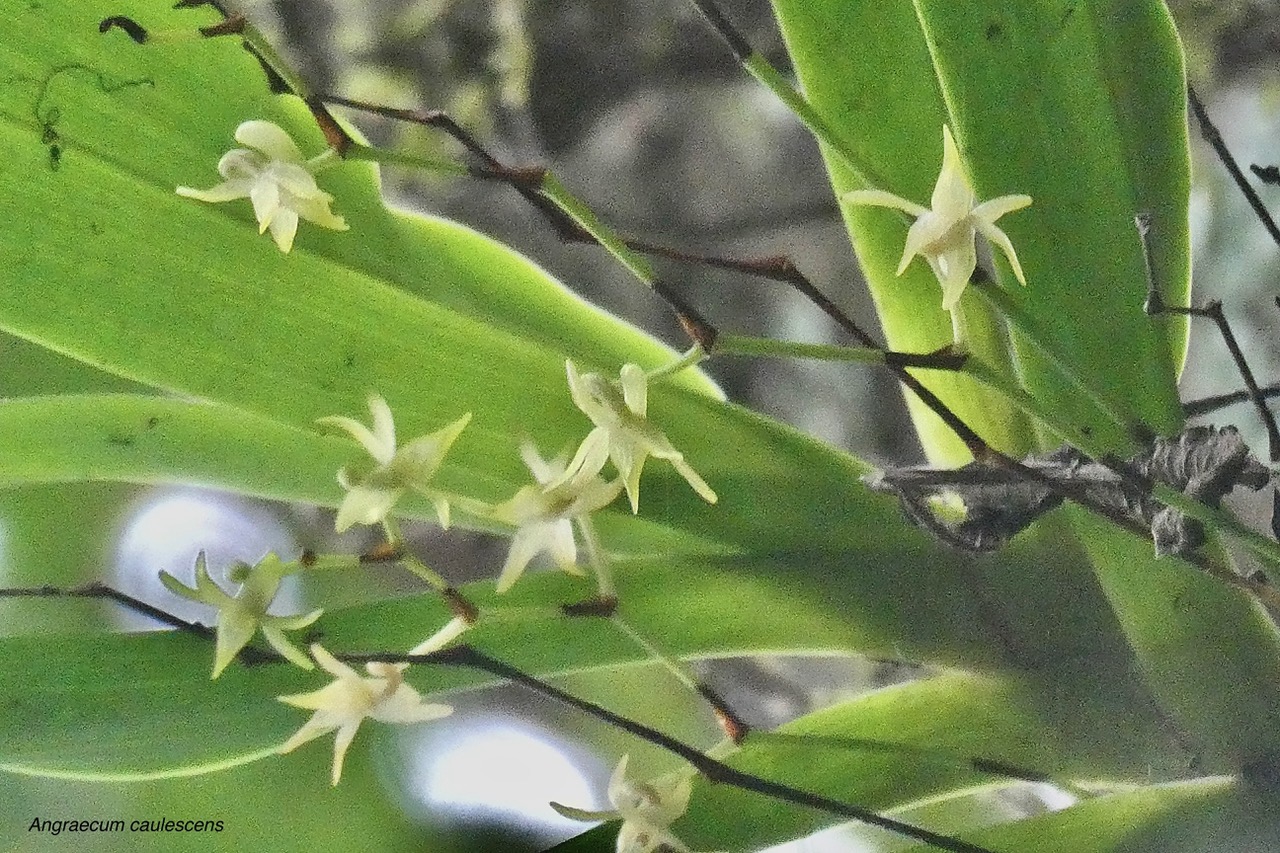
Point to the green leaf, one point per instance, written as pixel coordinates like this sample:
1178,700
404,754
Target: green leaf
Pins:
1048,98
1082,106
1210,653
891,591
698,607
135,122
143,439
402,304
153,680
948,720
1201,816
187,297
59,535
865,66
185,725
248,800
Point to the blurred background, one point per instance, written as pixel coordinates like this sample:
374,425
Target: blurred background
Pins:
642,112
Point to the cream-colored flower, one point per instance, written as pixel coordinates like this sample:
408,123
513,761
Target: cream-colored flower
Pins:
272,174
623,433
543,514
241,615
344,703
647,810
371,495
944,234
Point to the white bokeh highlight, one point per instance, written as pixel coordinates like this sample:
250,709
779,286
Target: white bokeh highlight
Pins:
169,527
496,770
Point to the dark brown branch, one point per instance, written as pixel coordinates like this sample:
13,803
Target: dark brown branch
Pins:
713,770
1213,311
1205,405
1214,138
106,593
466,656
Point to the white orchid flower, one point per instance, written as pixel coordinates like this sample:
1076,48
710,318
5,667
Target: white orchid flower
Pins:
543,514
272,173
344,704
372,495
647,810
944,233
242,615
623,433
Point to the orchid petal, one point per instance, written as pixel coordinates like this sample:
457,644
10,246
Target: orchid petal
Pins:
880,198
270,139
996,237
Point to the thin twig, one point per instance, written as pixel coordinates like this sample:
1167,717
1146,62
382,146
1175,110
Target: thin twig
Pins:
1213,311
712,769
1214,138
1205,405
94,589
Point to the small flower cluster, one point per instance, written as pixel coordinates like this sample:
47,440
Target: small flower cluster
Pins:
341,705
542,516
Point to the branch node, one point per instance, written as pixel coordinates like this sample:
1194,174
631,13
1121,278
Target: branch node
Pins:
131,28
339,140
233,25
385,552
598,607
1266,174
735,728
459,605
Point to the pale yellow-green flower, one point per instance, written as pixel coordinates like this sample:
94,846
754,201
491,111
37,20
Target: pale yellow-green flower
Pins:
372,494
944,233
275,177
647,810
344,703
243,614
623,433
543,514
